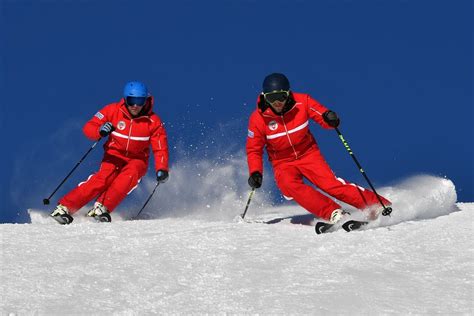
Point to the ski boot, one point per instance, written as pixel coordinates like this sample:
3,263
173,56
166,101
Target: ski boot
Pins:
61,215
100,213
336,216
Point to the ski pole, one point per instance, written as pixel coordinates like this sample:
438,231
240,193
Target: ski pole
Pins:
148,200
46,201
248,203
386,209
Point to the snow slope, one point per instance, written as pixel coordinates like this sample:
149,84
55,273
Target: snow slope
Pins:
203,261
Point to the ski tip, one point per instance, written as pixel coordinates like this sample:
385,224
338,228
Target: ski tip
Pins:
322,227
353,225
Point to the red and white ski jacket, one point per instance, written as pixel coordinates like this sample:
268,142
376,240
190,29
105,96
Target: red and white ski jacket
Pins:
132,137
287,137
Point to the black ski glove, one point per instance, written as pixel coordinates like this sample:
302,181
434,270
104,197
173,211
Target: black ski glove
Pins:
162,176
331,118
106,129
255,180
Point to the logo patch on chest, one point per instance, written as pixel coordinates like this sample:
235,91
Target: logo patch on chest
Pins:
273,125
121,125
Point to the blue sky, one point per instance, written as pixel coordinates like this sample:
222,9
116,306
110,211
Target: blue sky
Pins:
398,73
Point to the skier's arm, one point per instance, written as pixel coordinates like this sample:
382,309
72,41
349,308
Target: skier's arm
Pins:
255,143
316,111
92,128
159,146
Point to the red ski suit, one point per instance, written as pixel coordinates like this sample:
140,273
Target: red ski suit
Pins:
126,155
295,155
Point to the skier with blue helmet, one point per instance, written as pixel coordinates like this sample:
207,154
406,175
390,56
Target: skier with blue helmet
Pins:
130,127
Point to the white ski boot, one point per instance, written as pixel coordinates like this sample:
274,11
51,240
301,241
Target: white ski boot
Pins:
61,215
336,216
100,213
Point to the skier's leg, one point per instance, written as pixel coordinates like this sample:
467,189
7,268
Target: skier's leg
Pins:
125,182
290,181
93,186
316,170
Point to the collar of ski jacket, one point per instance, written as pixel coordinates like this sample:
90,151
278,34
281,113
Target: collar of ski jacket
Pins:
265,108
146,111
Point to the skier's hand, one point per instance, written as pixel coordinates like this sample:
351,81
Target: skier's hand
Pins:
162,176
106,129
331,118
255,180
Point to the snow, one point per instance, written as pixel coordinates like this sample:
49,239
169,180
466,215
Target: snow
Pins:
200,260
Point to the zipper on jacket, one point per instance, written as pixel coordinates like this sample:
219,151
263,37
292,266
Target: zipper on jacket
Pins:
129,135
288,136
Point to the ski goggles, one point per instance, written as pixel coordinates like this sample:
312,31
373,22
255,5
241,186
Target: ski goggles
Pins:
273,96
138,101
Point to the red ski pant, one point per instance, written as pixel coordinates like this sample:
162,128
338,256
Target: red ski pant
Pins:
313,167
116,178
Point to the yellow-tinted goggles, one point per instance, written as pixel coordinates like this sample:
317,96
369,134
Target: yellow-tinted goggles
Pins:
273,96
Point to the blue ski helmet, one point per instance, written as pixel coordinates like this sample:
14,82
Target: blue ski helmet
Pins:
135,89
275,82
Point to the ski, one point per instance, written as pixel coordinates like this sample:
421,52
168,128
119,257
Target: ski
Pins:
353,225
348,226
322,227
63,219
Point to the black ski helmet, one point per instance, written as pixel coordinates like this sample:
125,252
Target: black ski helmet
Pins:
275,82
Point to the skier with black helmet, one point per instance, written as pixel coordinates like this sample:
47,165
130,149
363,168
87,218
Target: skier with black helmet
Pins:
280,123
131,128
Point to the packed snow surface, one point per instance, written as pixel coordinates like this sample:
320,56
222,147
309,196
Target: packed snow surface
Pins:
202,260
